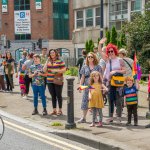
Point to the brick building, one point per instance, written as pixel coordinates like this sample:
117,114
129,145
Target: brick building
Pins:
25,21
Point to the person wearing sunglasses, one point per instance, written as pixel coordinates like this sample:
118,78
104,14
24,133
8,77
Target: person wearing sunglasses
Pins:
91,64
114,65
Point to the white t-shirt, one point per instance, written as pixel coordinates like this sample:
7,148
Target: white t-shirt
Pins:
2,70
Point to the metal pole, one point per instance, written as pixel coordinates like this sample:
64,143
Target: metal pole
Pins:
70,106
101,21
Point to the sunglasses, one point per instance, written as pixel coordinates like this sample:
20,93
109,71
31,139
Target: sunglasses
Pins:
90,56
110,51
95,75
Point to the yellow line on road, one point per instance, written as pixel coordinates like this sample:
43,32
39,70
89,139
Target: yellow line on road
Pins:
25,130
42,140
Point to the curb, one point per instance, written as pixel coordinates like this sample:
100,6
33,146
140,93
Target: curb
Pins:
73,135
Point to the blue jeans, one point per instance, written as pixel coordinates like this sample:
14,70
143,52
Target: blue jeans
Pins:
39,90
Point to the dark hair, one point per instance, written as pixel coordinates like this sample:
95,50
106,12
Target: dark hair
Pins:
31,55
10,55
56,52
44,48
37,56
84,52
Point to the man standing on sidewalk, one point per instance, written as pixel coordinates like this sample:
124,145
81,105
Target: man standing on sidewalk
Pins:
37,75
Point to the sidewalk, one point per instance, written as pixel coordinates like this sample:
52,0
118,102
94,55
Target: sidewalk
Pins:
108,137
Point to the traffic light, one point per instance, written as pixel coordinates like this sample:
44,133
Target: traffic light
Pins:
8,44
33,46
40,43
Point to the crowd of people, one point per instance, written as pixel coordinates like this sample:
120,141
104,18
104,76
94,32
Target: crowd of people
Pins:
107,70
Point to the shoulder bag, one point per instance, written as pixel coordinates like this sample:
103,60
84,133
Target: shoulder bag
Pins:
58,79
117,79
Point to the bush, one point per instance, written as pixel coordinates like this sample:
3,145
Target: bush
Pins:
72,71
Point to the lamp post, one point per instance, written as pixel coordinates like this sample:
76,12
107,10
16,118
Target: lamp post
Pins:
101,20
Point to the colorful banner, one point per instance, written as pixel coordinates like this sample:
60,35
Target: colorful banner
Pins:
22,22
4,6
38,4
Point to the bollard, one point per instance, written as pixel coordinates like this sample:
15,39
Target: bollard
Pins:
70,105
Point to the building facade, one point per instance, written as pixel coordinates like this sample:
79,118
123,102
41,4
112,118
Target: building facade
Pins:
23,22
87,18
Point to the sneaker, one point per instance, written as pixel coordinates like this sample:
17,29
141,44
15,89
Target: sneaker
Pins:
128,124
99,124
118,120
35,111
135,124
82,120
25,97
109,120
44,112
92,125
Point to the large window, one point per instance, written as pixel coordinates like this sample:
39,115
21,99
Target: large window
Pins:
79,17
22,5
97,19
136,5
89,17
61,19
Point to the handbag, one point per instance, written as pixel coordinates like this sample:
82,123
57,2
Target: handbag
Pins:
58,79
117,79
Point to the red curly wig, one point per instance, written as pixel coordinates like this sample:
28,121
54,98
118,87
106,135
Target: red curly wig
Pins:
114,47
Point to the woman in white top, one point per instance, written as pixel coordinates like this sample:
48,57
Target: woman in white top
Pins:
114,65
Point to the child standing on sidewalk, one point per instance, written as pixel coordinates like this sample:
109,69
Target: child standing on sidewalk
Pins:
37,75
131,98
96,102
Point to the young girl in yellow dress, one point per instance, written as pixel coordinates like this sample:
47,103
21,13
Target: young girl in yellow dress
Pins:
96,102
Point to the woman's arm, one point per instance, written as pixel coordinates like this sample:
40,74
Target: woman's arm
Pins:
45,66
82,79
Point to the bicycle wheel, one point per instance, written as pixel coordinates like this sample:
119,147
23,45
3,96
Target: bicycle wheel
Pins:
2,127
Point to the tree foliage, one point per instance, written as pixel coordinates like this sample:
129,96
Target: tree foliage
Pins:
113,37
89,46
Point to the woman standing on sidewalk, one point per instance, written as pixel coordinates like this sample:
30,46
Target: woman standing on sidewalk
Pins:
9,71
22,73
26,67
90,66
114,65
53,66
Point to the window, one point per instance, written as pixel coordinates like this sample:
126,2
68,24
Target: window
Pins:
118,7
89,17
98,14
136,5
79,18
22,5
61,19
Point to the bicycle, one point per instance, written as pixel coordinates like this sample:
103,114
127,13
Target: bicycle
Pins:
2,127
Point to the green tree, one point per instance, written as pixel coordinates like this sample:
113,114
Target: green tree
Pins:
113,37
89,46
108,37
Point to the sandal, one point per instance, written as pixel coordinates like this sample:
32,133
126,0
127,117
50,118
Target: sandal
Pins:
54,113
59,113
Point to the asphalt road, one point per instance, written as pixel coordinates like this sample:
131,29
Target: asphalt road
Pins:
21,137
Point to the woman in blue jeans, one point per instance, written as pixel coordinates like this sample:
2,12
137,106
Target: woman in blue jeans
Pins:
37,75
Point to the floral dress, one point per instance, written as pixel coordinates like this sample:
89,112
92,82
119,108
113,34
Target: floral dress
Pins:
86,72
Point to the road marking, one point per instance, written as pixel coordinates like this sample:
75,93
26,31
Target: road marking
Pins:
35,137
28,131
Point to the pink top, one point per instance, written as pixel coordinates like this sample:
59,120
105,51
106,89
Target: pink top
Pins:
116,65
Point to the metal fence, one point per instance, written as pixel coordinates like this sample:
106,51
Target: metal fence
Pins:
70,61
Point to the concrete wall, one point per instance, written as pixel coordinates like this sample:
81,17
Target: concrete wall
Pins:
85,3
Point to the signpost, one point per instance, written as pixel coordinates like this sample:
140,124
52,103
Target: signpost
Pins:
22,22
4,6
38,4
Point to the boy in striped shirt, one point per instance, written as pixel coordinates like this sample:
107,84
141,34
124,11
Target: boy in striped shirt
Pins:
131,99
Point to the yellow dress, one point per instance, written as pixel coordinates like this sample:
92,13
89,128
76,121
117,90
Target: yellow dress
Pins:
96,96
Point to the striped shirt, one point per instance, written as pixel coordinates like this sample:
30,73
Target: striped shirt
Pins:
58,64
131,95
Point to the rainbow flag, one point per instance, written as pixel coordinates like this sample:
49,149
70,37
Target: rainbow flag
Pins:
136,69
83,87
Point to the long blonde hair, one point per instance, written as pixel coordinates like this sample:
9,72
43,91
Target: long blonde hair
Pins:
95,61
92,79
